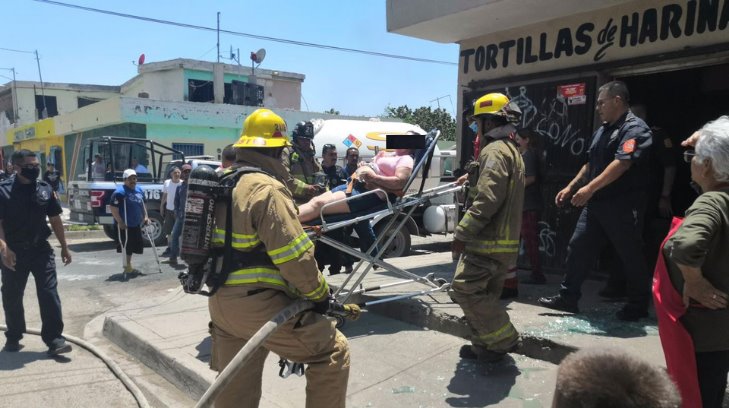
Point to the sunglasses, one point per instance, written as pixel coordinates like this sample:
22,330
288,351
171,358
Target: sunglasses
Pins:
688,155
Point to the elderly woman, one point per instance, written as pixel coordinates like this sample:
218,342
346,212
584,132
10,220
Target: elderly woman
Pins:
692,277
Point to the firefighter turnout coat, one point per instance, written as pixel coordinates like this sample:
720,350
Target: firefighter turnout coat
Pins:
301,168
265,220
278,267
491,225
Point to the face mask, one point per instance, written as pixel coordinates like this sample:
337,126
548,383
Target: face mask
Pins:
474,127
30,174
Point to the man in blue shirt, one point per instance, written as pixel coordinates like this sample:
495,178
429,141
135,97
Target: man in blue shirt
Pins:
127,208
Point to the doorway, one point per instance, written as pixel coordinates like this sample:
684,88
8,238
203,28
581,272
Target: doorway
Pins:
681,102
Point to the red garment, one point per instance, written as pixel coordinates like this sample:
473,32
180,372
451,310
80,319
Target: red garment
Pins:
476,147
678,347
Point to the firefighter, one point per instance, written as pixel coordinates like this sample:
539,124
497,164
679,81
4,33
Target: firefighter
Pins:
488,234
299,160
273,265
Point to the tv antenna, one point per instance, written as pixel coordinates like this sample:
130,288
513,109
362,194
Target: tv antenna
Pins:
256,58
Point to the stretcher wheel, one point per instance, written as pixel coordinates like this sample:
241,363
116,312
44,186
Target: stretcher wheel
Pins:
340,321
440,281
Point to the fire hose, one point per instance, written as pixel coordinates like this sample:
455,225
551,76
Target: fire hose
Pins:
350,311
114,367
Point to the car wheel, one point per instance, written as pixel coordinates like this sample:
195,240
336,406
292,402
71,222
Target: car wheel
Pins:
400,245
155,230
110,232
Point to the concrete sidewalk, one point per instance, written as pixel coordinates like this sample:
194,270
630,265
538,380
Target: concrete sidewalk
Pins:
170,335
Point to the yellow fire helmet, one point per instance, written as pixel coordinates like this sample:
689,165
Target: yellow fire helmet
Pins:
263,128
497,104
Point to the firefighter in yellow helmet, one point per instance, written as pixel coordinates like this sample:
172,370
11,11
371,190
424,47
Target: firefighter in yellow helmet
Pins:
488,234
273,265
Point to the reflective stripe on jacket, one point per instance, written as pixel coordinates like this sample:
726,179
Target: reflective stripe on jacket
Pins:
265,218
492,224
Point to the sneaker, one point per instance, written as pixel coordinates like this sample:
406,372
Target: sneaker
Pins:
166,252
333,271
509,293
559,303
12,346
58,346
535,279
173,261
348,269
631,314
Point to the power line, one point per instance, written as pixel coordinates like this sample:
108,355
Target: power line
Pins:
248,35
12,50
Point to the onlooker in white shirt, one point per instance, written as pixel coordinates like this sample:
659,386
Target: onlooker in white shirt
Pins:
167,204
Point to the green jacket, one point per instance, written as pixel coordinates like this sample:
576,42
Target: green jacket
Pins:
302,168
702,242
491,226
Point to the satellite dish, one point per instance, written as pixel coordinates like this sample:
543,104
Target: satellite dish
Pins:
258,56
141,60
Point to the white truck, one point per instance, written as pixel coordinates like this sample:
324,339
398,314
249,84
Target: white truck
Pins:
435,217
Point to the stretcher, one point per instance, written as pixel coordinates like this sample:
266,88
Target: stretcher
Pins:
398,211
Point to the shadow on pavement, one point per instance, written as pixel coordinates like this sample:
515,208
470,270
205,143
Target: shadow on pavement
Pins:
17,360
122,277
92,246
482,384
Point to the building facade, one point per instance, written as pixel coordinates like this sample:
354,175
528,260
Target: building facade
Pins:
551,56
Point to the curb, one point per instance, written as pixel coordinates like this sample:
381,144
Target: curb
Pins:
93,234
175,368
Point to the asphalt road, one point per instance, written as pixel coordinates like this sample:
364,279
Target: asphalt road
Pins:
409,366
88,287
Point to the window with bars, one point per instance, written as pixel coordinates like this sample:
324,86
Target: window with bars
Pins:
189,149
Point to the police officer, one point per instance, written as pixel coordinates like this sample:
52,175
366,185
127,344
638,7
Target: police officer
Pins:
273,265
301,164
611,188
25,202
488,233
325,254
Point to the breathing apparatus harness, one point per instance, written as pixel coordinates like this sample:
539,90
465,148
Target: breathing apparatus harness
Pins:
208,265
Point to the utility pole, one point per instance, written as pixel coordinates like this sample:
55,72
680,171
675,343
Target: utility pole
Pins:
44,114
442,97
218,37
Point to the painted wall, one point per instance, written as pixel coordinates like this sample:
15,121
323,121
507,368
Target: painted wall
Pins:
160,85
102,113
66,100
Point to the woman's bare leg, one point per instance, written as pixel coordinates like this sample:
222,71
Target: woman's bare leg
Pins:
312,209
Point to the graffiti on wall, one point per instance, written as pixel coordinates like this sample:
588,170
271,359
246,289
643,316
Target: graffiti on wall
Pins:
549,118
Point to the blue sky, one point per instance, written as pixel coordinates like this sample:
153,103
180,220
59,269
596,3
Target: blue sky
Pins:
78,46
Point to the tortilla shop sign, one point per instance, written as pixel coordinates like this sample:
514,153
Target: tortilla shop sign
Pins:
671,25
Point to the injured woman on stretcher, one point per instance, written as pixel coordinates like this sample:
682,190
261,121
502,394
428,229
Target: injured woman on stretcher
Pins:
389,171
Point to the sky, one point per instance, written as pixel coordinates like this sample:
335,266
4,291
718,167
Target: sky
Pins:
77,46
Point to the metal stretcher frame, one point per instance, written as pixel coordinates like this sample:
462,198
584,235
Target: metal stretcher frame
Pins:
404,205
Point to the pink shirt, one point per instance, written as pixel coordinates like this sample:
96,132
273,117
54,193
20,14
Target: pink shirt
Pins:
387,163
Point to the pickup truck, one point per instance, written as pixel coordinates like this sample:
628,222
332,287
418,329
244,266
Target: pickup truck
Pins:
106,158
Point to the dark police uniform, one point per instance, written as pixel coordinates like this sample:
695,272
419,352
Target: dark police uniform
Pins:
23,212
614,213
325,254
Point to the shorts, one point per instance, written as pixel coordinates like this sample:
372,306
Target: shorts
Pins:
360,204
134,242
